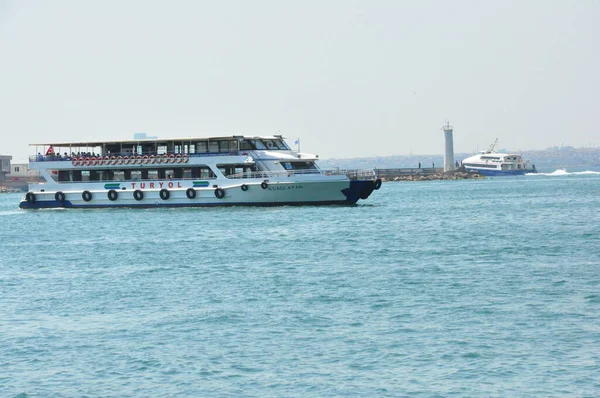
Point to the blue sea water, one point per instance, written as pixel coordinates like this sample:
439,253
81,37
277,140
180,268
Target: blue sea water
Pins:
427,289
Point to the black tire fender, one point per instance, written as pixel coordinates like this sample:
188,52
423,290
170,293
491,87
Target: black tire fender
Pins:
86,196
244,187
264,185
138,194
164,194
59,196
190,193
113,195
219,193
30,197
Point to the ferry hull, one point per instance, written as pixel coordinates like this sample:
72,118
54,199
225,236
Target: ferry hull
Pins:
342,192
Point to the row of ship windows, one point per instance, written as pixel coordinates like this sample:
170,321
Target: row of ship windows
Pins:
153,174
492,166
486,166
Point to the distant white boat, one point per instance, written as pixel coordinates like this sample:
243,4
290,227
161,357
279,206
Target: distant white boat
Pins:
492,163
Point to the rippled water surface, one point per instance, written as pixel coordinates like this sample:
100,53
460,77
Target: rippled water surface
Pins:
464,288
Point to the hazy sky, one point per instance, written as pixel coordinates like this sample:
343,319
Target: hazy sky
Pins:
350,78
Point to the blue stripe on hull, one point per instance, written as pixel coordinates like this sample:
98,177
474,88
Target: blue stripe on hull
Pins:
501,172
52,204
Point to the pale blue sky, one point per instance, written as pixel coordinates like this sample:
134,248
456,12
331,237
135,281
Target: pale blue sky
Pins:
350,78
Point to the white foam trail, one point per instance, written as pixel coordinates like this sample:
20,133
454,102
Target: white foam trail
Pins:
564,172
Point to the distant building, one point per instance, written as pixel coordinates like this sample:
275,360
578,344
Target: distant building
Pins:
4,167
22,171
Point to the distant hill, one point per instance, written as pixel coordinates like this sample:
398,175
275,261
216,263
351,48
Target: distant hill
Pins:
545,160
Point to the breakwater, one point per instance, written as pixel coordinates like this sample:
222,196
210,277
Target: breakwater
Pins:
424,174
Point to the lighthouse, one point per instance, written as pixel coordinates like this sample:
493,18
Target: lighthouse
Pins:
449,147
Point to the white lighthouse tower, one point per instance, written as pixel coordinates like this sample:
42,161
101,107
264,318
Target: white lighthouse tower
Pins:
449,148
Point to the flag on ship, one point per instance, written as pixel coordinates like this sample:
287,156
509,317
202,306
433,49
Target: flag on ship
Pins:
50,151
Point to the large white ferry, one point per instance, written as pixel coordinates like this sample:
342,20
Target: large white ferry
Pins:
492,163
229,170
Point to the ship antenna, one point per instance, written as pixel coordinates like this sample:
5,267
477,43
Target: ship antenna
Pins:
492,147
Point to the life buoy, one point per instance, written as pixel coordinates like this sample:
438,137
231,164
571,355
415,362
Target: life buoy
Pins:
145,159
165,158
377,184
119,159
190,193
124,160
244,187
113,160
164,194
171,158
86,196
138,194
178,158
264,185
59,196
93,161
113,195
30,197
74,161
159,159
80,161
185,158
106,160
219,193
88,161
152,158
138,159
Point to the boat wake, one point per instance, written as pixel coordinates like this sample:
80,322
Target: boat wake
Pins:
564,172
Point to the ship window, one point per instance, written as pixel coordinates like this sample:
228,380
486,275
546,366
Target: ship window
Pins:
269,144
223,146
274,144
227,146
202,147
136,174
213,146
281,144
162,149
247,145
202,171
233,170
299,165
259,144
